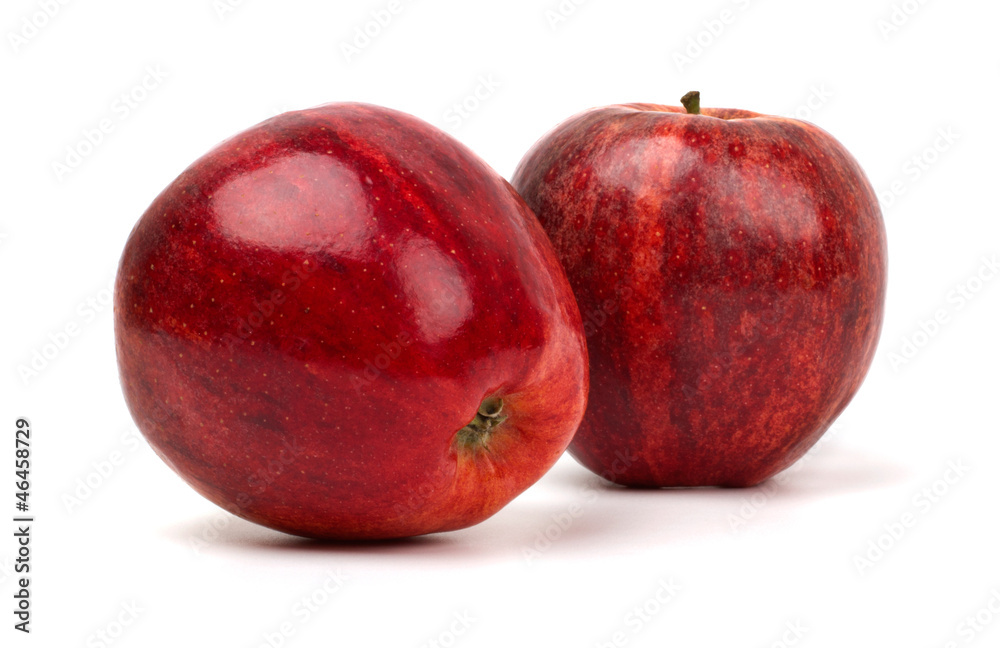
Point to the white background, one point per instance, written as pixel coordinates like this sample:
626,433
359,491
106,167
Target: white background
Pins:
774,565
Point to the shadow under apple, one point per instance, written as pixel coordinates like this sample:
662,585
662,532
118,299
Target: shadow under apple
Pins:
572,511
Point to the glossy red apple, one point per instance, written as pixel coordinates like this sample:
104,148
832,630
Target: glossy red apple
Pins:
730,268
341,323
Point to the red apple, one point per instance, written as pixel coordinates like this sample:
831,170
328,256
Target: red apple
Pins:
730,268
341,323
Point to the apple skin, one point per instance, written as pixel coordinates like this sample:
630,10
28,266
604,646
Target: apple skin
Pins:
310,313
730,268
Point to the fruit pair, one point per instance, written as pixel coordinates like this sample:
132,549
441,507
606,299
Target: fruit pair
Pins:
341,323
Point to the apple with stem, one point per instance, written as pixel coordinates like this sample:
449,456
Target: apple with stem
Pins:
342,324
730,268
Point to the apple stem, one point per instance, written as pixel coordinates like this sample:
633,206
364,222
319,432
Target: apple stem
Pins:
487,418
692,102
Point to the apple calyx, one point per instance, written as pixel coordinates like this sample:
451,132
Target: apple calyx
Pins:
478,429
692,102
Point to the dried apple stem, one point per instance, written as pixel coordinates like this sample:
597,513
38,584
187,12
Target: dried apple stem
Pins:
692,102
